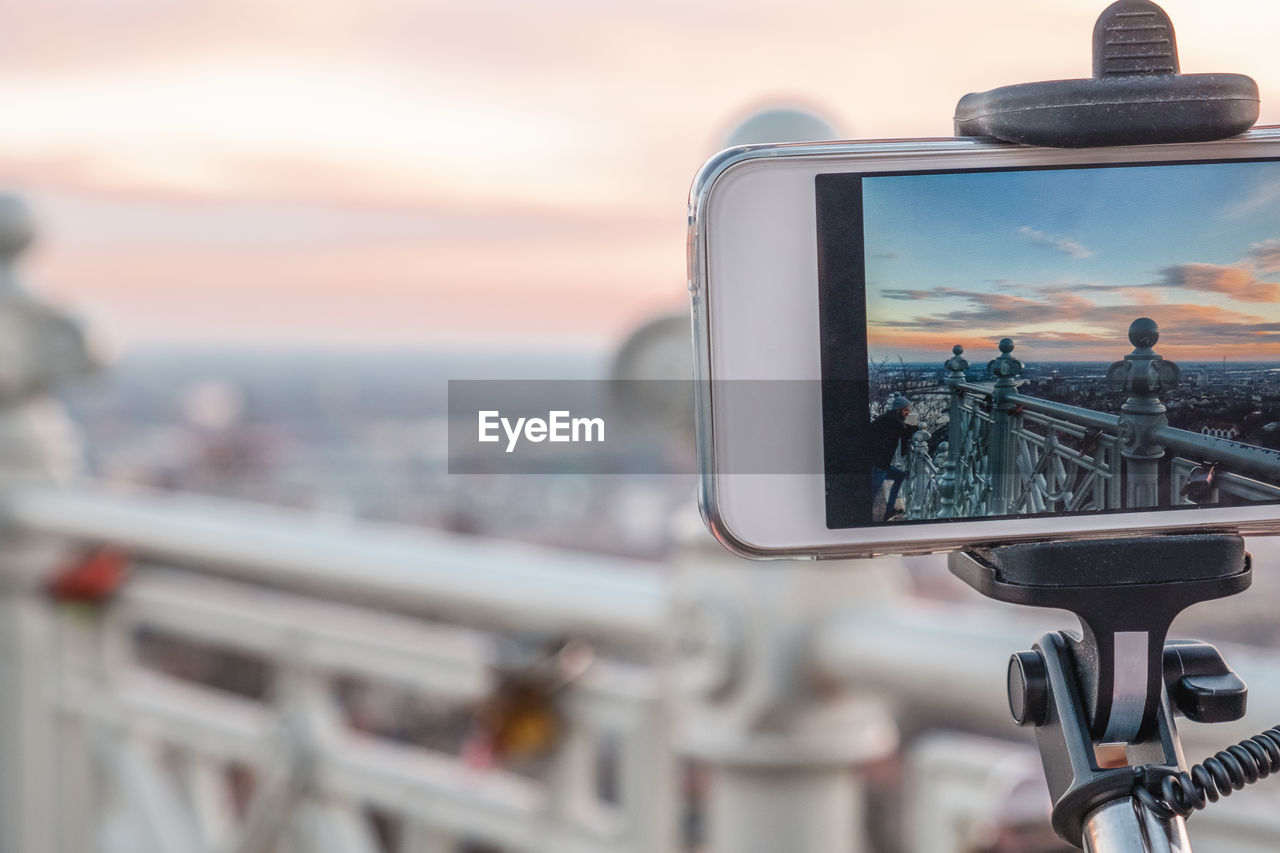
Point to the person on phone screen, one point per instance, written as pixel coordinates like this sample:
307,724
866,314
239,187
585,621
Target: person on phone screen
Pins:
889,432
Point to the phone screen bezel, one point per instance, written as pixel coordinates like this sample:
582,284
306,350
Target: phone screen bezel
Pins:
755,285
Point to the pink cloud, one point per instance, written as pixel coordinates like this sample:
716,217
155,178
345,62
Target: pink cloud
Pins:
1236,282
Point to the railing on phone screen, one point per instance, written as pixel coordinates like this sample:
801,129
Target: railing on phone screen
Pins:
1008,453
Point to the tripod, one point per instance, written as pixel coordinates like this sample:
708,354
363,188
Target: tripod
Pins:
1103,700
1113,688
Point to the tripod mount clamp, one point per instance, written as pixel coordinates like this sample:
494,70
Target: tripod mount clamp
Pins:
1126,593
1117,681
1136,96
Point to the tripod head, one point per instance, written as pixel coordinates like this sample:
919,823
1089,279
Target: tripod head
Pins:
1126,593
1136,96
1117,681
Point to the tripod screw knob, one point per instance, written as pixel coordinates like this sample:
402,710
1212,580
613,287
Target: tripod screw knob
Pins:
1200,683
1028,689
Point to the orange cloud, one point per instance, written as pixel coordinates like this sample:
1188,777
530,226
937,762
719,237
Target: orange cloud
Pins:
1058,324
1236,282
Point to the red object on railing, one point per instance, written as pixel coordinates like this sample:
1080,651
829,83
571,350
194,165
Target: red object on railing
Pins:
92,578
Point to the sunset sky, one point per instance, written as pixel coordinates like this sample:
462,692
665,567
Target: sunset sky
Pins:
1063,260
442,173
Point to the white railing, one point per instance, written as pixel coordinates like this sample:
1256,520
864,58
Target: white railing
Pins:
413,571
152,761
147,758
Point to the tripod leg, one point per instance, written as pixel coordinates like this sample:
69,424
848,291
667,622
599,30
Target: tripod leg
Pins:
1128,826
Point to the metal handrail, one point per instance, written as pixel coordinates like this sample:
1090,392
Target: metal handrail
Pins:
1246,458
399,569
1139,434
318,598
1072,414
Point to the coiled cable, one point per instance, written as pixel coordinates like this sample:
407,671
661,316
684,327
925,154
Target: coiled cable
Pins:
1220,774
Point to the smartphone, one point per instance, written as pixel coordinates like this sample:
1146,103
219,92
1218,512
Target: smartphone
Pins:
916,346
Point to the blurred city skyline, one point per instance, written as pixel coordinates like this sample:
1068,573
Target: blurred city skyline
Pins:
400,172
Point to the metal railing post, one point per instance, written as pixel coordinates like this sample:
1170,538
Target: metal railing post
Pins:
921,484
955,368
1003,454
42,347
1144,375
782,749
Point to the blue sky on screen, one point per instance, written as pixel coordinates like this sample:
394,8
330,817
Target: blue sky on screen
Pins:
1063,260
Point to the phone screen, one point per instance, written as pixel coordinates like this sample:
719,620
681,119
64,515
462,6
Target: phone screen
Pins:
1061,262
